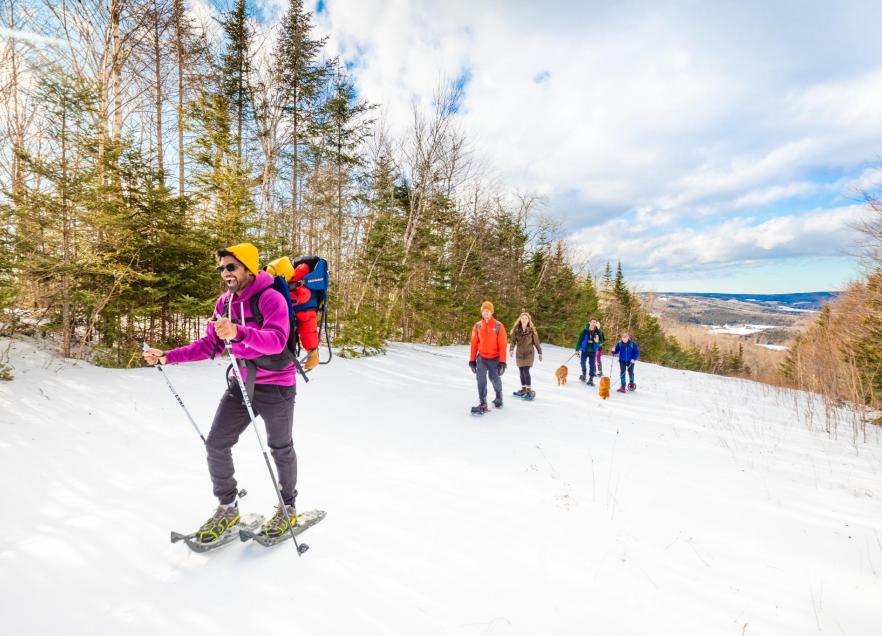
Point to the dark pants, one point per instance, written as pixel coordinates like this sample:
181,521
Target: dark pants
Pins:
275,405
590,357
525,375
626,366
488,367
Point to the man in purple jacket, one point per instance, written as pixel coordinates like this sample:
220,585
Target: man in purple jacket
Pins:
254,317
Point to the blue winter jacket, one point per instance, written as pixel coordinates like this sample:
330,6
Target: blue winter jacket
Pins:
628,352
586,340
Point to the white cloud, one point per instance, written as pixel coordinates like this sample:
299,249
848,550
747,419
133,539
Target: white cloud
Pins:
816,233
669,113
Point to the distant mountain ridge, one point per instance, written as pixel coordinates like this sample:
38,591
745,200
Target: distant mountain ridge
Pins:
812,301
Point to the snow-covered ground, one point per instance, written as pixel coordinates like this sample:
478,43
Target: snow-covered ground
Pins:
797,309
697,505
773,347
738,330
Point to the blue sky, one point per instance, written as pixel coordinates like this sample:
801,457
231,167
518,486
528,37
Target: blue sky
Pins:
708,146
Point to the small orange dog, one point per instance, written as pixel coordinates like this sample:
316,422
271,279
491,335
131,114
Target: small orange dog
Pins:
561,374
603,389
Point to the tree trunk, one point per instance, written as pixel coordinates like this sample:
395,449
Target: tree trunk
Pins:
179,43
65,240
158,79
116,68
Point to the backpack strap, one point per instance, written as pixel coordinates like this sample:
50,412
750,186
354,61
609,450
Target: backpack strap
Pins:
275,361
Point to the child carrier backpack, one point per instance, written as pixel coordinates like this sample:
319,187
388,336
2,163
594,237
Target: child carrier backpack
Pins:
316,281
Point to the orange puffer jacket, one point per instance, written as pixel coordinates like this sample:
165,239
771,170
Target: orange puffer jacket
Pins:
489,339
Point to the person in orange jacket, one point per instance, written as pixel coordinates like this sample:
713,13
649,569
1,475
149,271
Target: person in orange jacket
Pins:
487,356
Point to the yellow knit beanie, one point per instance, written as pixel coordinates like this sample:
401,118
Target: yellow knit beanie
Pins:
487,305
246,254
281,267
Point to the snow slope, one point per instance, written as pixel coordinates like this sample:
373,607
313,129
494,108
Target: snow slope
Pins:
698,505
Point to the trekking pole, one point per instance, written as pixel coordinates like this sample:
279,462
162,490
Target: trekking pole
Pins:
158,366
301,548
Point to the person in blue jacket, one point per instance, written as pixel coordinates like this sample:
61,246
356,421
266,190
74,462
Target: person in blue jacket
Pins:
628,353
590,341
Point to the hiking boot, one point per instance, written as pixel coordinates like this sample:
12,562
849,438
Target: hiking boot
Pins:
480,409
521,392
312,359
621,389
498,402
591,381
224,518
582,377
277,525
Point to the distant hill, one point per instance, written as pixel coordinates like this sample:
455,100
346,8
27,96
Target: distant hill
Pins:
778,316
812,301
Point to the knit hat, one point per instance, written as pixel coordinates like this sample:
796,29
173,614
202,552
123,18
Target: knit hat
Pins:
246,254
487,305
281,267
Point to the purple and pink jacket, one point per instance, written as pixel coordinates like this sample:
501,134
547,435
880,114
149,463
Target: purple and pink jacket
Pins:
251,341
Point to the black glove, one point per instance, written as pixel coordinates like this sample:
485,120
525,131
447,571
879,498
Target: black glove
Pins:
473,366
501,369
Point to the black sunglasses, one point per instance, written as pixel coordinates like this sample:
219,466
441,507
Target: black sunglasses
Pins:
230,267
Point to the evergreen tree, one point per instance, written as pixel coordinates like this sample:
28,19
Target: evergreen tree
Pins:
57,208
344,127
223,187
302,77
236,72
607,281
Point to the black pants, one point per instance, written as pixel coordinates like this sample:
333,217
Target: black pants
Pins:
626,366
525,375
275,406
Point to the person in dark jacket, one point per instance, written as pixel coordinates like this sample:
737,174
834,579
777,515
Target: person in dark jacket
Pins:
590,341
628,353
525,339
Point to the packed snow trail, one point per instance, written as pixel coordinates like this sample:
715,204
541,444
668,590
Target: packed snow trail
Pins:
696,505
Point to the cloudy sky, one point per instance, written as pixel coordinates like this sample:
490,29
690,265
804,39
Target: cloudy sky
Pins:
710,146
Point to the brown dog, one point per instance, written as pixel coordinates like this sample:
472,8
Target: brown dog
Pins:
603,389
561,374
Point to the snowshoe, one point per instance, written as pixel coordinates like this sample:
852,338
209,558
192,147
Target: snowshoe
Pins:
621,389
498,402
249,522
277,525
529,396
632,386
304,521
224,518
480,409
519,393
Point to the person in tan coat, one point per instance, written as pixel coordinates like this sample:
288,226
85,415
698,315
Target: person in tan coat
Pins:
524,339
